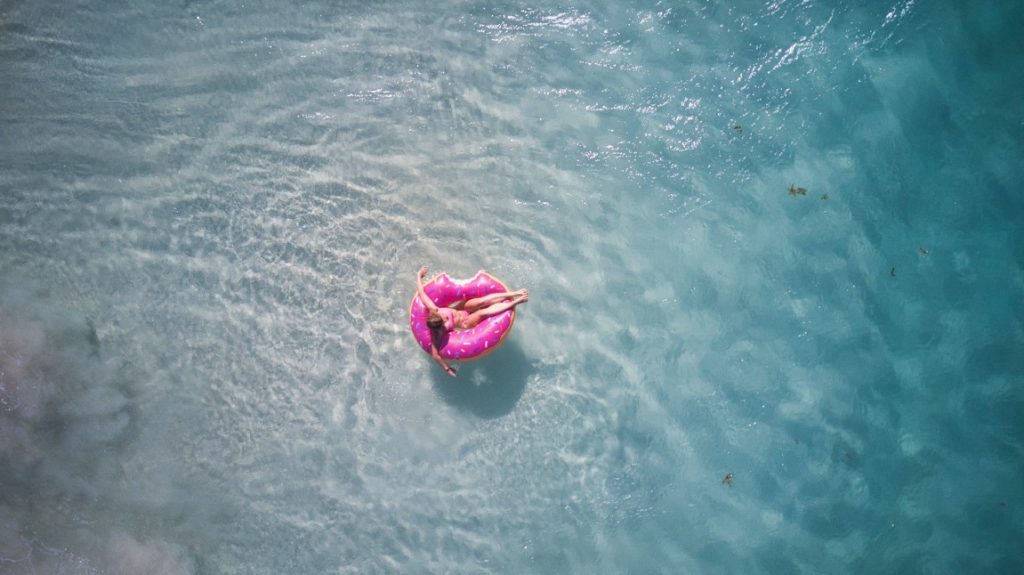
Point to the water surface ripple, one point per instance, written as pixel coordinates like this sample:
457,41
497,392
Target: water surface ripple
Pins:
212,213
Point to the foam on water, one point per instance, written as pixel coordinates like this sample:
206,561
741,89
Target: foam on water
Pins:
212,215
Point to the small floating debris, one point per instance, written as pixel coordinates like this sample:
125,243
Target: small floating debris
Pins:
737,128
727,480
922,251
795,191
824,196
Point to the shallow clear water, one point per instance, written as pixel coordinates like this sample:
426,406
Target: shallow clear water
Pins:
212,214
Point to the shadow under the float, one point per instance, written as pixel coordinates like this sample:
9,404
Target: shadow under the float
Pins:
488,387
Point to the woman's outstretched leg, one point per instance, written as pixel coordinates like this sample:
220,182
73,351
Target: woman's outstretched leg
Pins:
491,298
479,315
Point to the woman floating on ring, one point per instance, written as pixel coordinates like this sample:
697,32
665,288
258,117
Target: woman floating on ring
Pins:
448,326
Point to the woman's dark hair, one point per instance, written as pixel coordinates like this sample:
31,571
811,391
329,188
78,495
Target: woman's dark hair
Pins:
435,321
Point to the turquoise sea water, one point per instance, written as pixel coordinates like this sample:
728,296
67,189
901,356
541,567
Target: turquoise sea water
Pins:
211,214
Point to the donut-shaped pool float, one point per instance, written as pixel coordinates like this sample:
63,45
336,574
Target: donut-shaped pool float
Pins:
461,344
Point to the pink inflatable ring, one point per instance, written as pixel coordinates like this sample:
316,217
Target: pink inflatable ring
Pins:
461,344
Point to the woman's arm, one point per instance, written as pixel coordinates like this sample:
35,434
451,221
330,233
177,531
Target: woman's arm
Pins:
437,357
423,294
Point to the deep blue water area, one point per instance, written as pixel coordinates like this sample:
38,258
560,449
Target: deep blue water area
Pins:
773,249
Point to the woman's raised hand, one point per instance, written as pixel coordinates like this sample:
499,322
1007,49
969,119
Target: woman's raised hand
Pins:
422,272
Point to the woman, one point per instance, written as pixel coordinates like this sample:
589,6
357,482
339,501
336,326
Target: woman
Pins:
442,320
